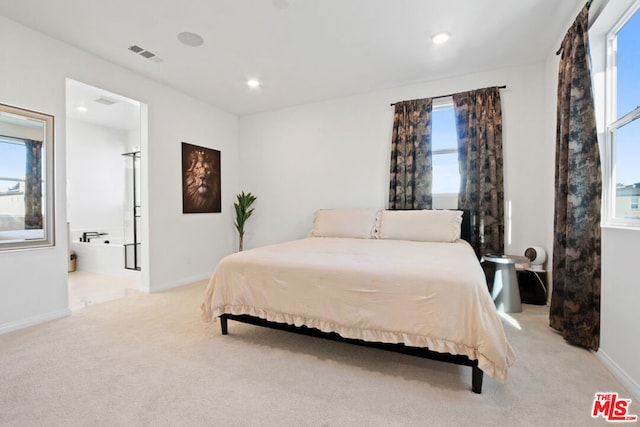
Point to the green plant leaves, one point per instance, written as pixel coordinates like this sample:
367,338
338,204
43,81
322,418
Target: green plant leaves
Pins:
243,212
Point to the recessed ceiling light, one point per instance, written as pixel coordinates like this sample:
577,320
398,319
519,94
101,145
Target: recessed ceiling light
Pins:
440,38
82,108
253,83
190,39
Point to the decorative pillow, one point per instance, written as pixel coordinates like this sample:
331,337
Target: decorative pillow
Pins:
355,223
421,225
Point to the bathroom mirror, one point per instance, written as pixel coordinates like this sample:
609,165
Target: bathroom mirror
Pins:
26,179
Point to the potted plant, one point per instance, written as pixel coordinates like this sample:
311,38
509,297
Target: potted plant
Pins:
243,212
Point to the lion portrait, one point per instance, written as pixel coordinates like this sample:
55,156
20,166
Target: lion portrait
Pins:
201,181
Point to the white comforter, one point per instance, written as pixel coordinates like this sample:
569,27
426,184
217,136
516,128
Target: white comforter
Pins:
421,294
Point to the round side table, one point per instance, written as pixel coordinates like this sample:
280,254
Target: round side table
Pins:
505,292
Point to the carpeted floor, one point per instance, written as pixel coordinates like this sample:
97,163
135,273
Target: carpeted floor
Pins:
149,360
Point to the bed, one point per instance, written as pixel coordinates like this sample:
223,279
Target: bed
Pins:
398,280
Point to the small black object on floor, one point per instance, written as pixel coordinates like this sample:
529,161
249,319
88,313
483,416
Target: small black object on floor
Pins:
533,286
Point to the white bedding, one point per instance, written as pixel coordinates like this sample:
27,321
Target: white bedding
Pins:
420,294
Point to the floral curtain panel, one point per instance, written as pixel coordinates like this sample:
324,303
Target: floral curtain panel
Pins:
33,185
575,299
410,169
479,126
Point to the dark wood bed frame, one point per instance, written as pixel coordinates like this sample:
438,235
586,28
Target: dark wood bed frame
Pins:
476,373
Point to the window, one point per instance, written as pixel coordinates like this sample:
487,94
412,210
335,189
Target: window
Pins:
622,153
12,165
444,149
12,161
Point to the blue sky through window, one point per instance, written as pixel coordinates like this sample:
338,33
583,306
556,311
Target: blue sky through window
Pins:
446,175
629,66
628,98
12,163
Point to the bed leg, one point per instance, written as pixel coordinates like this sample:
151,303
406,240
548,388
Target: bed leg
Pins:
476,380
223,325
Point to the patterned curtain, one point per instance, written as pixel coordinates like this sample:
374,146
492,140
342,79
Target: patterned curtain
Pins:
33,185
410,175
575,299
479,125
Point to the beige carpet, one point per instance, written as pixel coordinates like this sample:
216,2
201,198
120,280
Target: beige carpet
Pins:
149,360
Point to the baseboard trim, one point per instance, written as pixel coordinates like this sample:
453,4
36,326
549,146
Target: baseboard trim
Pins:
615,369
32,321
175,284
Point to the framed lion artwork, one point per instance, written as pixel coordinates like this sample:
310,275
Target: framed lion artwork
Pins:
200,179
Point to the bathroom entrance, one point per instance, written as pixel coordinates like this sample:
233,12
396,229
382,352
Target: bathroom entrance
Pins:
105,149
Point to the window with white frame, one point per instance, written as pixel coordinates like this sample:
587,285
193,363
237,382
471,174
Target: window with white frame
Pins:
622,116
444,150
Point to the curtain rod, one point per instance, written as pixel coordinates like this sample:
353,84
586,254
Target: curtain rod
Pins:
588,6
451,94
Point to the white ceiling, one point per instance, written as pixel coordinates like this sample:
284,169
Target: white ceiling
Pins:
123,113
301,50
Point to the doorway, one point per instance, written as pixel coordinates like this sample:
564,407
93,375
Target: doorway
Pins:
106,138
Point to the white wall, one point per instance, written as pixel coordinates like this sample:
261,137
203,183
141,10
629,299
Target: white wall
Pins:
33,69
336,154
95,177
620,323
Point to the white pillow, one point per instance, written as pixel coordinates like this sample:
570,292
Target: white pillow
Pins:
354,223
421,225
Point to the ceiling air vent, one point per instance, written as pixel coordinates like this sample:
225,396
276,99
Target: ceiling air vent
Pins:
136,49
105,101
144,53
